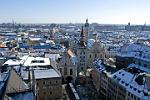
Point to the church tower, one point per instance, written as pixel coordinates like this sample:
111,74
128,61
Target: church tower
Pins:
86,30
82,38
81,51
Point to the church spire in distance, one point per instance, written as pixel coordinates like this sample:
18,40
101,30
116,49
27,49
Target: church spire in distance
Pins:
86,24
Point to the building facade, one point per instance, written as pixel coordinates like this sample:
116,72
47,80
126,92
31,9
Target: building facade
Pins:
96,51
108,88
45,78
67,66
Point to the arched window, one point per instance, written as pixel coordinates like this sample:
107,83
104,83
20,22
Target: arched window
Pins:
90,56
65,71
95,55
71,72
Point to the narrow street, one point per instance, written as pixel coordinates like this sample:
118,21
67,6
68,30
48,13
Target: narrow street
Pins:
87,91
65,95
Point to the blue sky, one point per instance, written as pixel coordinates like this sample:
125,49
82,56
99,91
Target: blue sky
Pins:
75,11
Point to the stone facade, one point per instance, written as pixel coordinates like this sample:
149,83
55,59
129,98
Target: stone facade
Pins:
95,52
47,89
68,65
107,87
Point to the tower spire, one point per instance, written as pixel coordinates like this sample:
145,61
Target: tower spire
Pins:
82,42
87,20
86,24
82,33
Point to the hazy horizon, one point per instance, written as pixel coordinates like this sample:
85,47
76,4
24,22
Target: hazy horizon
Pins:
75,11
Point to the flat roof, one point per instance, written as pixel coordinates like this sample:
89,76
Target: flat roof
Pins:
37,61
41,74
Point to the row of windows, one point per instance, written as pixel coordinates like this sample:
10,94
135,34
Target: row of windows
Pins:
44,93
46,82
133,96
82,53
95,56
82,64
82,60
65,71
82,57
45,98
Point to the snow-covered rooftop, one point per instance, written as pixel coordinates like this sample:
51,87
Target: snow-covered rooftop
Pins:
52,56
135,47
12,62
133,82
138,51
90,43
145,69
98,65
37,61
35,39
102,67
22,96
41,73
3,78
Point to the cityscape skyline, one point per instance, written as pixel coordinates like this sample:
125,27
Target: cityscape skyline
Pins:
74,50
75,11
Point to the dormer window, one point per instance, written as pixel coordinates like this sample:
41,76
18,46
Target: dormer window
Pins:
139,91
118,79
145,65
140,54
122,82
139,63
126,84
134,89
